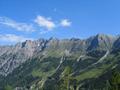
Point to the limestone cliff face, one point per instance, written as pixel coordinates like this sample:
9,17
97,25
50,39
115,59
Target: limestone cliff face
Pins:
13,56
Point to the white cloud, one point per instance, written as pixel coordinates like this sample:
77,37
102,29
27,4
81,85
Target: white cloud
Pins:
44,32
45,22
16,25
65,23
13,38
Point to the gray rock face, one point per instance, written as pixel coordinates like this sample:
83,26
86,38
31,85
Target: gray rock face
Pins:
102,41
13,56
117,43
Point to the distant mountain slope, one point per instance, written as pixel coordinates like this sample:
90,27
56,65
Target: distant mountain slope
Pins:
59,64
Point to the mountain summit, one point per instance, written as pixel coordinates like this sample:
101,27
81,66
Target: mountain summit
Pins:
49,63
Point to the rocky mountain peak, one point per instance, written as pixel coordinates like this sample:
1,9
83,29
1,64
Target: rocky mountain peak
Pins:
27,43
102,41
21,52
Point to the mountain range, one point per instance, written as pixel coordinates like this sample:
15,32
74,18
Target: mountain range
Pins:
61,64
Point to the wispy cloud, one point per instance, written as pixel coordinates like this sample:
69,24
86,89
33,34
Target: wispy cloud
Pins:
16,25
13,38
45,22
65,23
44,32
48,24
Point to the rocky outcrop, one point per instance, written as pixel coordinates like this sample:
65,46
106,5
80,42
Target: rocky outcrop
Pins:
13,56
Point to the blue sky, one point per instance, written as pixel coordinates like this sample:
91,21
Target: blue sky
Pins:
33,19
